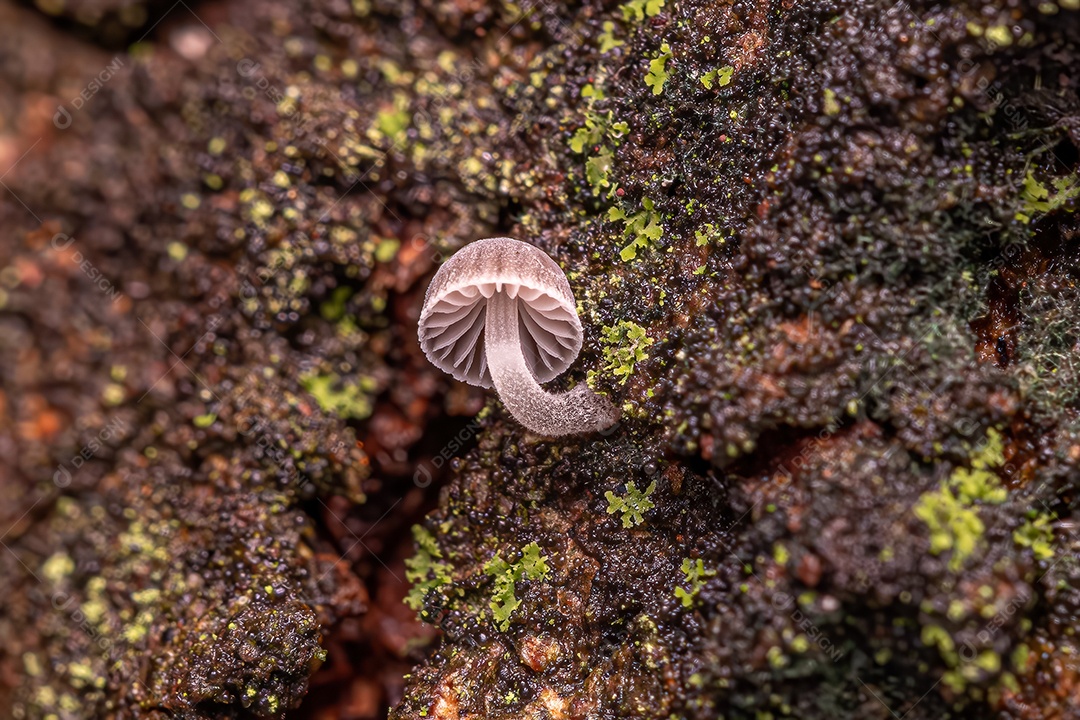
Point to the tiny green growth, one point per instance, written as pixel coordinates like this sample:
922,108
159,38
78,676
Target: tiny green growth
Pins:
347,400
597,169
1037,197
387,249
831,105
608,41
708,233
424,570
658,75
624,347
696,574
1037,535
638,10
393,122
333,309
642,228
531,566
598,130
204,421
633,505
939,637
953,525
720,77
951,513
980,482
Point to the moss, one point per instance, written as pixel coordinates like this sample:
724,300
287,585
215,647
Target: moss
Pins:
951,513
643,228
1037,534
608,41
425,570
342,398
720,76
658,74
695,576
1039,200
531,566
596,139
631,506
636,11
624,346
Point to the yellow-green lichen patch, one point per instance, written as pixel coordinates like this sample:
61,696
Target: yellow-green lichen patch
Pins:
1038,198
425,570
637,10
391,122
951,513
658,73
596,139
642,229
342,398
695,575
624,346
608,41
57,568
830,104
632,506
720,77
1038,535
531,566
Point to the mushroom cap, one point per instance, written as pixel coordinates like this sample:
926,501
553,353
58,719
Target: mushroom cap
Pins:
451,326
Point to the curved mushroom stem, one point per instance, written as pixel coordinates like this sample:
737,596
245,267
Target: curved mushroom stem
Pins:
577,411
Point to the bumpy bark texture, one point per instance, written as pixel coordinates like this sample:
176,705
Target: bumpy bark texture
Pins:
827,263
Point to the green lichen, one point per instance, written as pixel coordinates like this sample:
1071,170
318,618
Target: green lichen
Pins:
695,576
58,567
633,505
598,128
720,76
333,309
1038,535
637,10
531,566
598,136
641,229
425,570
344,399
392,122
204,421
597,169
951,513
624,347
387,249
830,103
658,75
608,41
1039,200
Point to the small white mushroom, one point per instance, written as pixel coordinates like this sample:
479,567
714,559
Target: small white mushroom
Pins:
500,312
